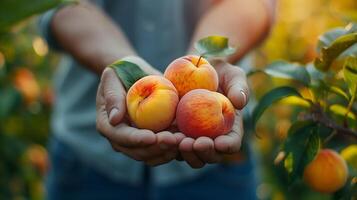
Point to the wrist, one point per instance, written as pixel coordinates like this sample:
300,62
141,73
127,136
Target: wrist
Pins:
108,59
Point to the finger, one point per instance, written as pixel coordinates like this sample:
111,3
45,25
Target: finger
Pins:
231,142
114,96
204,148
187,153
237,95
179,137
167,157
142,153
122,134
233,82
128,136
166,140
102,118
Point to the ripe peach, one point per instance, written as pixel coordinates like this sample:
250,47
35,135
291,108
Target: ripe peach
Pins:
202,112
26,83
152,103
327,173
186,73
349,154
38,157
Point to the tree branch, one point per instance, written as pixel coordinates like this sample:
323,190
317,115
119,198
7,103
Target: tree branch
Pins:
319,116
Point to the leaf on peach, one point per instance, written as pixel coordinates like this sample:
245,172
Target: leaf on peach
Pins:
214,46
127,72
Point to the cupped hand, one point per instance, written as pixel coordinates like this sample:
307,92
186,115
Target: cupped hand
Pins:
112,122
203,150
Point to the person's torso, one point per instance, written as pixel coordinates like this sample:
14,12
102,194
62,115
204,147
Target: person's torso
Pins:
160,31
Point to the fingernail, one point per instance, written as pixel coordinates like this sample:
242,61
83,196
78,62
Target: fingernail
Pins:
112,113
164,146
244,97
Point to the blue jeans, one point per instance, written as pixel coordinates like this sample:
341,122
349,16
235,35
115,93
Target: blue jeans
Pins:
69,178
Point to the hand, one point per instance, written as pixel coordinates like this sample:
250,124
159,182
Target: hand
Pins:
139,144
232,83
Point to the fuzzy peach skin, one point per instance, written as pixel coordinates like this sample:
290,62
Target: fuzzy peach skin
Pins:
327,173
186,74
152,103
202,112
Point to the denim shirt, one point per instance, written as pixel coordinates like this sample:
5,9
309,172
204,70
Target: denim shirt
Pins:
160,31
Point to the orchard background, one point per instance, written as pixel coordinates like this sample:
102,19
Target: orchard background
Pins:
26,96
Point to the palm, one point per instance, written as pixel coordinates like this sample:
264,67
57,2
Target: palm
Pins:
206,150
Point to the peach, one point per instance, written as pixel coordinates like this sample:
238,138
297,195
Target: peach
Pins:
38,158
202,112
327,173
152,102
26,83
190,72
349,154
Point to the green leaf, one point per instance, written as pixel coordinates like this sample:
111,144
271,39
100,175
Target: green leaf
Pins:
295,101
288,163
326,39
127,72
271,97
10,99
350,74
330,53
301,145
315,74
339,92
312,147
13,11
341,111
214,46
283,69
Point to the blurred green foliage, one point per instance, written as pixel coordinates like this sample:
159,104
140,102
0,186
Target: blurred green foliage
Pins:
295,38
26,95
14,11
25,101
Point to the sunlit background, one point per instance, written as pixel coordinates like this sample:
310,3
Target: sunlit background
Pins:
26,96
294,37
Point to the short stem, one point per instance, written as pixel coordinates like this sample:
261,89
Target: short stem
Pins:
198,62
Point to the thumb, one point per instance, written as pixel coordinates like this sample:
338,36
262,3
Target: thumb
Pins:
233,82
237,94
114,96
